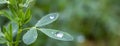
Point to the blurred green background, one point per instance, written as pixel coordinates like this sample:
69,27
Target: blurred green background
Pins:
90,22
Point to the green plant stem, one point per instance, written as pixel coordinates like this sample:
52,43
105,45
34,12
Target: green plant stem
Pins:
27,28
18,35
11,39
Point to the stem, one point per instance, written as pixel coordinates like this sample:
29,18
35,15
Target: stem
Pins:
18,35
26,28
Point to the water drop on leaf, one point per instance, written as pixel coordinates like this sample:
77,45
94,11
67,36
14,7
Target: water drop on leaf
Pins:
52,17
47,19
56,34
59,34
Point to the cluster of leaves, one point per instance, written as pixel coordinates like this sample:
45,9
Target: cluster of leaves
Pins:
19,12
31,35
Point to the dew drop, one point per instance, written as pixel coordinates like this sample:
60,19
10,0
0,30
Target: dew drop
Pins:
52,17
59,34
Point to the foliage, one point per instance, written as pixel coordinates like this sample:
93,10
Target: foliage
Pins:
19,13
91,22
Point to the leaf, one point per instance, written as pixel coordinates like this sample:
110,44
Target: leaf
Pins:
10,31
2,40
14,29
27,3
1,34
10,28
47,19
30,36
28,12
27,15
21,14
56,34
6,14
6,33
13,10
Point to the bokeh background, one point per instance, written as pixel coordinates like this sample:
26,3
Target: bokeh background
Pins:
90,22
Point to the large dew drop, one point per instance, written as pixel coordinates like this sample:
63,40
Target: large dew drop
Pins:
59,34
52,17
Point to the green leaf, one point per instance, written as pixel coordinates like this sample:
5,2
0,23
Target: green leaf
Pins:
21,14
14,29
13,10
10,31
30,36
10,28
2,40
6,14
6,33
27,15
56,34
27,3
1,34
47,19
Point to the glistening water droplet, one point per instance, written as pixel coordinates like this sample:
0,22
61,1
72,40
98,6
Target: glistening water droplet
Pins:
59,34
52,17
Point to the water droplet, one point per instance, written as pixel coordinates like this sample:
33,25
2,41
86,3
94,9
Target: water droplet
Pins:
52,17
59,34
